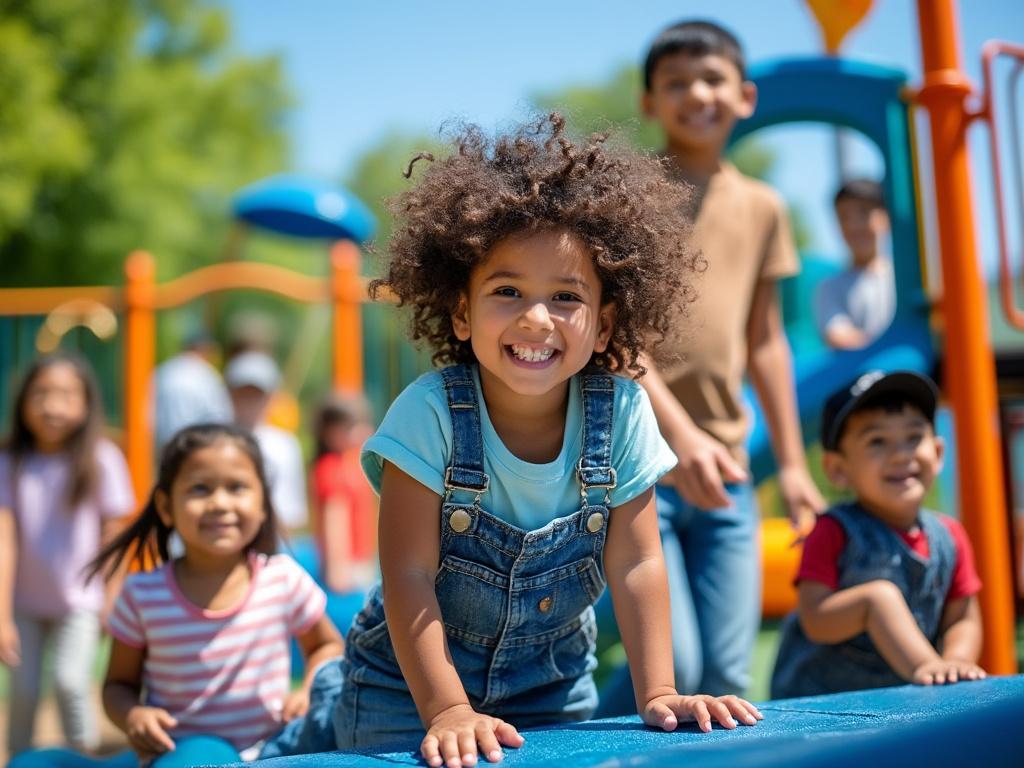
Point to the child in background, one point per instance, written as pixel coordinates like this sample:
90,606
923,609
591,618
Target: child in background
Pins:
64,490
344,505
887,589
515,481
200,643
855,307
695,87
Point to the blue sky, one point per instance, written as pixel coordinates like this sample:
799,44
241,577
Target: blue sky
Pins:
361,69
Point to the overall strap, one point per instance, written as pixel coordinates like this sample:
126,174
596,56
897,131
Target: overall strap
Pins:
595,468
465,471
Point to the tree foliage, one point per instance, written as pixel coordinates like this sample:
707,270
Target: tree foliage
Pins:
125,124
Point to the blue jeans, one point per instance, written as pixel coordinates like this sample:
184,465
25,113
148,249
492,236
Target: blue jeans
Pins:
188,751
714,579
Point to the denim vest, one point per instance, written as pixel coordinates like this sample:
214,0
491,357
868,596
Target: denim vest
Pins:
517,606
873,551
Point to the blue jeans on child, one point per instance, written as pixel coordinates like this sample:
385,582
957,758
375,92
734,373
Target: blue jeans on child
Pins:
188,751
713,563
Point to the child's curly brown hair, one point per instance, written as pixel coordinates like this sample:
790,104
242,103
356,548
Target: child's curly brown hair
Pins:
619,204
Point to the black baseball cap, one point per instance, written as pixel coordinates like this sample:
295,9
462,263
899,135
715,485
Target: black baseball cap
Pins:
918,389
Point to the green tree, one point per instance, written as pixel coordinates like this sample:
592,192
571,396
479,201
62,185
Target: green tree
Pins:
125,124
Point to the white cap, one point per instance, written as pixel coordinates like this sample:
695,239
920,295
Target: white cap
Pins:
253,369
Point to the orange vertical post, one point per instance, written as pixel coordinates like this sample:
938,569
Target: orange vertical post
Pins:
139,359
969,364
347,324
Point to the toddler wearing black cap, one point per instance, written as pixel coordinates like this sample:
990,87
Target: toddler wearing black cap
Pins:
887,589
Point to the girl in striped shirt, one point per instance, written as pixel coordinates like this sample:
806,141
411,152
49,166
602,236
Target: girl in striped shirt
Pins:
201,642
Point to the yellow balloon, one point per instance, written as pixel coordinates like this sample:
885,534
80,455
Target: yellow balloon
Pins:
837,17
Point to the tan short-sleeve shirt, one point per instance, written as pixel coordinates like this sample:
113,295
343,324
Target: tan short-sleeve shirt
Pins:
742,230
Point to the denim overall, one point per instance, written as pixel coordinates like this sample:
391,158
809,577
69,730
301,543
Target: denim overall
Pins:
516,605
873,551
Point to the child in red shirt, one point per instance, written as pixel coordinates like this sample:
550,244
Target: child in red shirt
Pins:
344,505
887,589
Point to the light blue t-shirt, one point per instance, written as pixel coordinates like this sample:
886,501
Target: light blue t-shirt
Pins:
416,436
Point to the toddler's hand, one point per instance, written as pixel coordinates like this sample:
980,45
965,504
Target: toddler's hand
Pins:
667,711
942,671
10,644
453,735
296,704
146,730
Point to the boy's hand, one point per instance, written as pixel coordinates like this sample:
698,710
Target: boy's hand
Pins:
453,735
296,704
801,497
10,644
666,712
705,465
146,730
942,671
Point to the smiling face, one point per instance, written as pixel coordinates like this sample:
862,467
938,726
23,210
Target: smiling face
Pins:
889,460
862,225
55,406
216,502
697,100
532,313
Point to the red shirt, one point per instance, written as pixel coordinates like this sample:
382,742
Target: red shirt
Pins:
340,475
826,542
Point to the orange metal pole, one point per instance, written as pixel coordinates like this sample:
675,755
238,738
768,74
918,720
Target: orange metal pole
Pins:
347,325
139,358
969,364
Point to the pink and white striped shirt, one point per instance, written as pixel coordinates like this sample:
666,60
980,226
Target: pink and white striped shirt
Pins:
223,672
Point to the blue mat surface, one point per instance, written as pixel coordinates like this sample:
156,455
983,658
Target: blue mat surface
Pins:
967,724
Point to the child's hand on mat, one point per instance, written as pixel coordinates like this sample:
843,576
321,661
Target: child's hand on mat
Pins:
295,705
942,671
453,735
146,730
666,712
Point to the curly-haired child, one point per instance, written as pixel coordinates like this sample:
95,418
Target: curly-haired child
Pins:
516,481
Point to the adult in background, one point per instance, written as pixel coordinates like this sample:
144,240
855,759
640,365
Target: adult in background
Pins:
189,389
252,379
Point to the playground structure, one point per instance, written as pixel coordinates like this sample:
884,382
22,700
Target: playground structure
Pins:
872,100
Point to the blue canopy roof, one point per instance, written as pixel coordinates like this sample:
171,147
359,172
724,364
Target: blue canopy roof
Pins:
304,207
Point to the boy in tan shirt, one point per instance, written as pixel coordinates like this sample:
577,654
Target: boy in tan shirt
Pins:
696,88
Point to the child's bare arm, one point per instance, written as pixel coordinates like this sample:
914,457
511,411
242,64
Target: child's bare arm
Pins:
770,364
319,643
960,637
409,546
636,575
10,646
876,607
703,461
144,726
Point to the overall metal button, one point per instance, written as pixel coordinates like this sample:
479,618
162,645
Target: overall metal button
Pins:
459,520
544,605
594,522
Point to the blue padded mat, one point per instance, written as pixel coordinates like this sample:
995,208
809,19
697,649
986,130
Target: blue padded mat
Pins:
967,724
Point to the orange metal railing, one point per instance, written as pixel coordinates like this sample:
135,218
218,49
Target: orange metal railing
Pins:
142,297
970,369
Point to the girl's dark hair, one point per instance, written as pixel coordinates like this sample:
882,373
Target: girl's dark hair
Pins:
81,444
620,205
145,541
338,408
